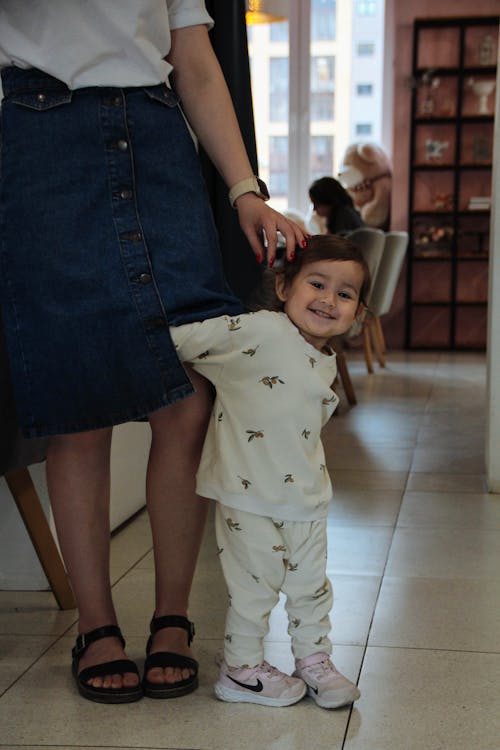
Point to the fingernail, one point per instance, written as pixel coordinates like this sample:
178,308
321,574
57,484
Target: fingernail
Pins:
258,258
292,256
303,243
271,263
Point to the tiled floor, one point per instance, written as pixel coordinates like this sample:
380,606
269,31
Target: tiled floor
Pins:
415,561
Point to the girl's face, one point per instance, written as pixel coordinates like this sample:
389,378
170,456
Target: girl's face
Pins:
322,300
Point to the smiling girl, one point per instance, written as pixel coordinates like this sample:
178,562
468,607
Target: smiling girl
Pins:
264,464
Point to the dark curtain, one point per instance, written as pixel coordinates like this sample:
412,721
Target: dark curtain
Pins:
229,40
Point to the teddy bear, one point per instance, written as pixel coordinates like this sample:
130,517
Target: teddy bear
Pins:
366,174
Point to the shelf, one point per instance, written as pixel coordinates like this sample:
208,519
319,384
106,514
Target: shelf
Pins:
433,167
449,167
450,120
433,303
434,213
451,140
443,258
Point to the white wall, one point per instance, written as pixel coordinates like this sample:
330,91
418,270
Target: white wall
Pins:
493,423
19,566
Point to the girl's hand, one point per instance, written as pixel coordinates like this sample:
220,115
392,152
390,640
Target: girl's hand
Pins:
257,218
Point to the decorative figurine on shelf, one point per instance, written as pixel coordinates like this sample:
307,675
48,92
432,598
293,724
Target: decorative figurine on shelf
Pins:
481,149
482,89
366,175
434,149
430,83
486,50
434,241
443,202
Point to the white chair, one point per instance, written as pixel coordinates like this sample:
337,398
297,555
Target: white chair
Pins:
371,243
297,216
383,288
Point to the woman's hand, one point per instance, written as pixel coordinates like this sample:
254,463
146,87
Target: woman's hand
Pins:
257,218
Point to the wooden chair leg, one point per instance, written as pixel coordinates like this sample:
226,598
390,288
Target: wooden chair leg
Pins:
346,378
367,346
380,332
377,344
26,498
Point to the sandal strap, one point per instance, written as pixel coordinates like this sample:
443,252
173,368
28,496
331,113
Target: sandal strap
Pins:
169,659
173,621
119,666
84,640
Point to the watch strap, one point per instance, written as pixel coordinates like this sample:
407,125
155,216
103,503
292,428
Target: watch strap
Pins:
248,185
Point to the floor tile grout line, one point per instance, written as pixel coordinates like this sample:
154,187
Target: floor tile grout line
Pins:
394,528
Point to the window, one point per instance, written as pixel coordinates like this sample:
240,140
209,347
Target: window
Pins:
278,165
322,87
301,69
365,49
321,156
364,89
278,89
278,32
323,17
366,7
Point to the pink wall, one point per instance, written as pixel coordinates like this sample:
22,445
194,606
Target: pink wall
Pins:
401,16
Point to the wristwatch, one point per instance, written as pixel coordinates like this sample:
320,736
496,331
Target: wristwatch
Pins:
251,184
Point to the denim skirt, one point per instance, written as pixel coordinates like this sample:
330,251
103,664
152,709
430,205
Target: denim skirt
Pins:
106,239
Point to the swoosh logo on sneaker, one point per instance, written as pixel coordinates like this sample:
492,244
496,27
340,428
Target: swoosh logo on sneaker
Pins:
315,690
254,688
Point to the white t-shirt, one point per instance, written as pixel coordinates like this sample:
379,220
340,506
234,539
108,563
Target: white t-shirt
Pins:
95,42
263,451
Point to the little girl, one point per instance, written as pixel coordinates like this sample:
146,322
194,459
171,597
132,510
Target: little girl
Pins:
263,461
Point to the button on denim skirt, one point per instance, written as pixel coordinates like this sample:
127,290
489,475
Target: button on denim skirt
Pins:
107,238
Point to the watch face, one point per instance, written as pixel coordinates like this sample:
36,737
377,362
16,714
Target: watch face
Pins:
263,188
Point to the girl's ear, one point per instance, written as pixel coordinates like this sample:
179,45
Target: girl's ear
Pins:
280,287
360,310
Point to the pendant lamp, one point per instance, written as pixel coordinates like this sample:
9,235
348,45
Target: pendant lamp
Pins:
266,11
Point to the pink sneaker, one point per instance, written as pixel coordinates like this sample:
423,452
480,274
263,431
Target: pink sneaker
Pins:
262,684
325,685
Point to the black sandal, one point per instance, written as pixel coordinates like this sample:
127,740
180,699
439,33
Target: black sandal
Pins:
168,659
119,666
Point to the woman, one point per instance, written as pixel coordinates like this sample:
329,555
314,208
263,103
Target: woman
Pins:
107,238
333,203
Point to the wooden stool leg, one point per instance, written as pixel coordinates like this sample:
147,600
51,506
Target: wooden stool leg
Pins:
26,497
346,378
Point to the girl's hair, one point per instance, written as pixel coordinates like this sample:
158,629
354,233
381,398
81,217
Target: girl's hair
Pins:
328,191
319,247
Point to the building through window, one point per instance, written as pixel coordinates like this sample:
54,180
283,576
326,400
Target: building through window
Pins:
304,102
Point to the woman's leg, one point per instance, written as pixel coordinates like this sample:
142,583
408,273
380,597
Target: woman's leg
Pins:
176,513
78,481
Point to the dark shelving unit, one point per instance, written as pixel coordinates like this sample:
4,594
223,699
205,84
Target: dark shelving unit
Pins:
451,142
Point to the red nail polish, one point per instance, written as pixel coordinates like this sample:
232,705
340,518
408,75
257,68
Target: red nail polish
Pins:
303,243
271,263
258,258
292,256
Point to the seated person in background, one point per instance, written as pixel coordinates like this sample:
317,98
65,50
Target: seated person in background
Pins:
332,202
263,462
